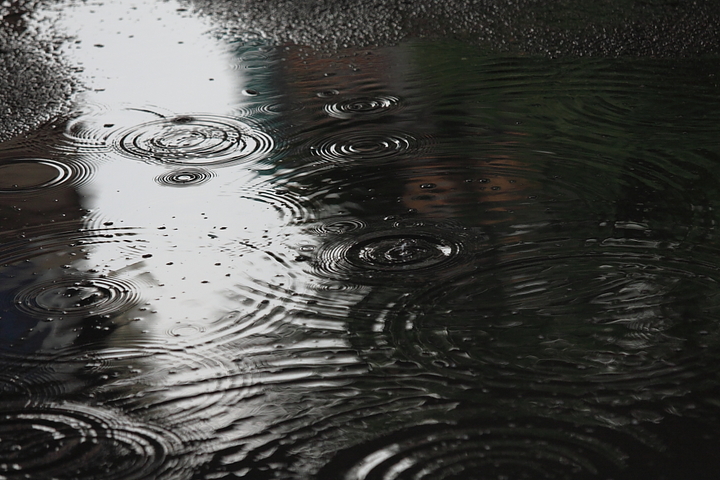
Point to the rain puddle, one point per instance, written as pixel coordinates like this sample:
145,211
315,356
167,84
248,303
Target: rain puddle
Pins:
240,260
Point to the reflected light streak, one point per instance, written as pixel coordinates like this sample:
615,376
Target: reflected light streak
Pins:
148,53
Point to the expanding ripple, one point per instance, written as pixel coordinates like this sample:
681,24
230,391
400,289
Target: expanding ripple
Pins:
21,379
492,452
89,130
292,208
176,385
338,226
280,107
86,134
406,435
202,140
368,146
272,107
404,251
52,295
362,107
60,240
19,175
74,441
75,298
184,177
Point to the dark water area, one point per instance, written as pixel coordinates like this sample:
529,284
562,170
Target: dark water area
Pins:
422,261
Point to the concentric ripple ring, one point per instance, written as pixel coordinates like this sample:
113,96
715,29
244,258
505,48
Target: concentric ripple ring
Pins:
195,141
404,251
77,298
82,442
452,452
33,175
366,146
628,324
362,107
184,177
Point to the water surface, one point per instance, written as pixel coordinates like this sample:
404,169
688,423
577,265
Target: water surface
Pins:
409,262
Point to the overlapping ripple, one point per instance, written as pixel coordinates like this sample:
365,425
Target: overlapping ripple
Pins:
522,451
616,324
202,140
271,107
52,294
405,433
406,251
173,385
62,243
76,441
86,134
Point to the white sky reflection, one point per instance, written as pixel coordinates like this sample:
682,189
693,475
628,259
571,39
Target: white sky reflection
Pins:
149,53
214,262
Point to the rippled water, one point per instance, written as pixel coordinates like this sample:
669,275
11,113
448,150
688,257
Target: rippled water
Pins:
405,263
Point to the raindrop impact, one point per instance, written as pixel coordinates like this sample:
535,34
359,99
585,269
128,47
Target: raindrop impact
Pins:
195,141
69,297
81,442
371,146
401,252
405,251
52,298
184,177
363,107
338,226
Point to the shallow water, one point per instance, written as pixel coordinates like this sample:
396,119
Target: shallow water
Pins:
409,262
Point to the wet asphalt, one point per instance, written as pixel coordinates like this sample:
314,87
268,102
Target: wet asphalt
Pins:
37,83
